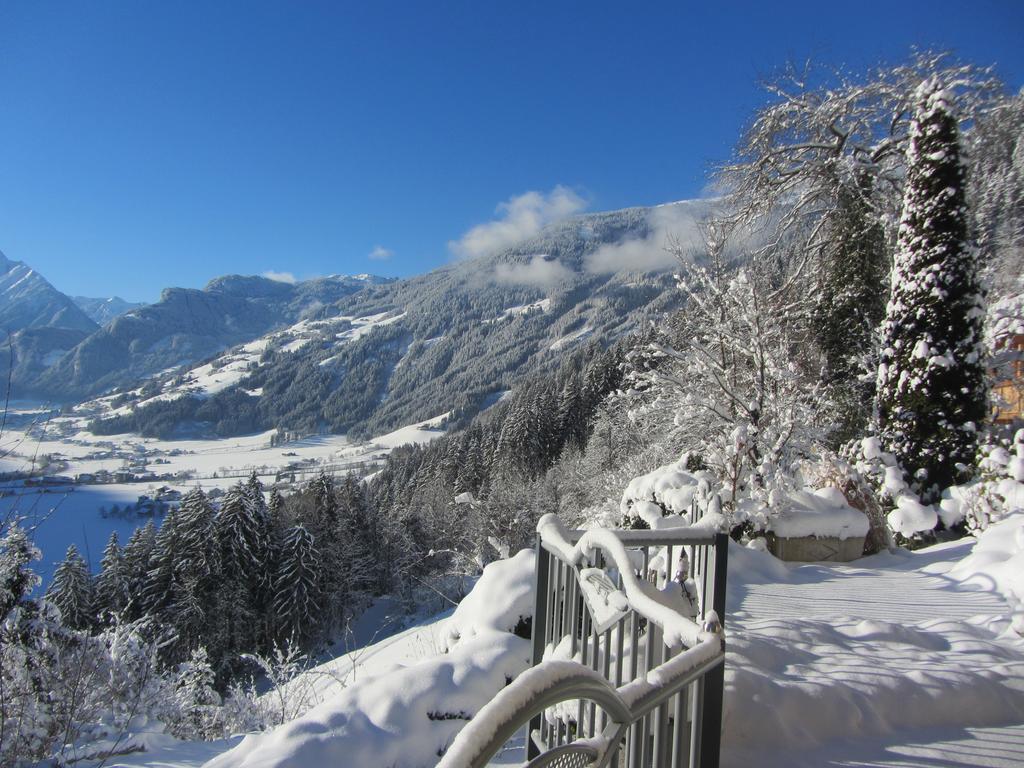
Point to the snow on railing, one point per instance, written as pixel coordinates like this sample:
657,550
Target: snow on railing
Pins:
640,596
628,653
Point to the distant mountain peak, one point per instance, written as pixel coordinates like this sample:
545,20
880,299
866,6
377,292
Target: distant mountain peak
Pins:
103,310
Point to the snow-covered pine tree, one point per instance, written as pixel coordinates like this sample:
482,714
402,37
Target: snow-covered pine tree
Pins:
849,305
240,599
275,509
16,577
71,590
137,553
112,582
197,571
297,597
571,417
159,590
932,396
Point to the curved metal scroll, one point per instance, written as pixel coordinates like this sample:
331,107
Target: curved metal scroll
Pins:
482,737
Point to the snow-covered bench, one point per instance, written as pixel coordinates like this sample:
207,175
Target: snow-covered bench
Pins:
628,654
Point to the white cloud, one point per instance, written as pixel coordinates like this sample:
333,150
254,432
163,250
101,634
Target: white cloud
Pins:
540,272
380,253
673,222
281,277
519,218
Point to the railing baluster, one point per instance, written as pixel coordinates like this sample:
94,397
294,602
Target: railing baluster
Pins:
680,729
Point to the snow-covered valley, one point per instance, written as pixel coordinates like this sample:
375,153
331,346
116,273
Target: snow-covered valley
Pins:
97,482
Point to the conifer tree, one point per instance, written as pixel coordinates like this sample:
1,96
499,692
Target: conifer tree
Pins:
849,306
931,380
198,570
71,590
159,589
137,553
16,577
297,597
112,582
358,555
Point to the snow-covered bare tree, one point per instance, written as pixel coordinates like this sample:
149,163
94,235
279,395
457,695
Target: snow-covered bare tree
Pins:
737,385
932,397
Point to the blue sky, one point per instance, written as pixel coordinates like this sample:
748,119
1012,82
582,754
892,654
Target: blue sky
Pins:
147,144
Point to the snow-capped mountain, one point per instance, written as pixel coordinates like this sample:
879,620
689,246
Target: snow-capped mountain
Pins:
102,311
27,300
39,323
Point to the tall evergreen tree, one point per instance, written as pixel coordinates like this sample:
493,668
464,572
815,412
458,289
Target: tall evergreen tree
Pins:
112,593
297,597
16,577
71,590
850,304
137,553
931,378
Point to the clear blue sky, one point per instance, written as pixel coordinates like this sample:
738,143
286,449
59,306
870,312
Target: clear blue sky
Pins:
146,144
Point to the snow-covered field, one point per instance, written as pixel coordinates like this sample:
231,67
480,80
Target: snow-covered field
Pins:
63,515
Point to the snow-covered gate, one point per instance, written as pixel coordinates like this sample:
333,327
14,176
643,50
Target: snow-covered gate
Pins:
628,654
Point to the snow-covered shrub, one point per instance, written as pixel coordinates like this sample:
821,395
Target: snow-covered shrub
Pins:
908,522
997,491
501,601
672,489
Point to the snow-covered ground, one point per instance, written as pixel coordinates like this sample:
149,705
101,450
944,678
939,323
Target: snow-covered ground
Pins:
901,659
875,660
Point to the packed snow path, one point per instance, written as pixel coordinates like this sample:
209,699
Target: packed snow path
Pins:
888,661
908,588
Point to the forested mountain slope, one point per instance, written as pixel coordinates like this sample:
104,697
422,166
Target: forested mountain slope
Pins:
450,341
184,326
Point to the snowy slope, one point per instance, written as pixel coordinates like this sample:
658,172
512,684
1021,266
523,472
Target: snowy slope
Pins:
103,310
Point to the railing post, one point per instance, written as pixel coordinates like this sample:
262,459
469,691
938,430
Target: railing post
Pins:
539,631
714,681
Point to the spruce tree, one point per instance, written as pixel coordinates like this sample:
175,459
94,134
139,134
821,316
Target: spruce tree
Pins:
71,590
112,583
16,577
849,305
297,597
137,553
931,379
